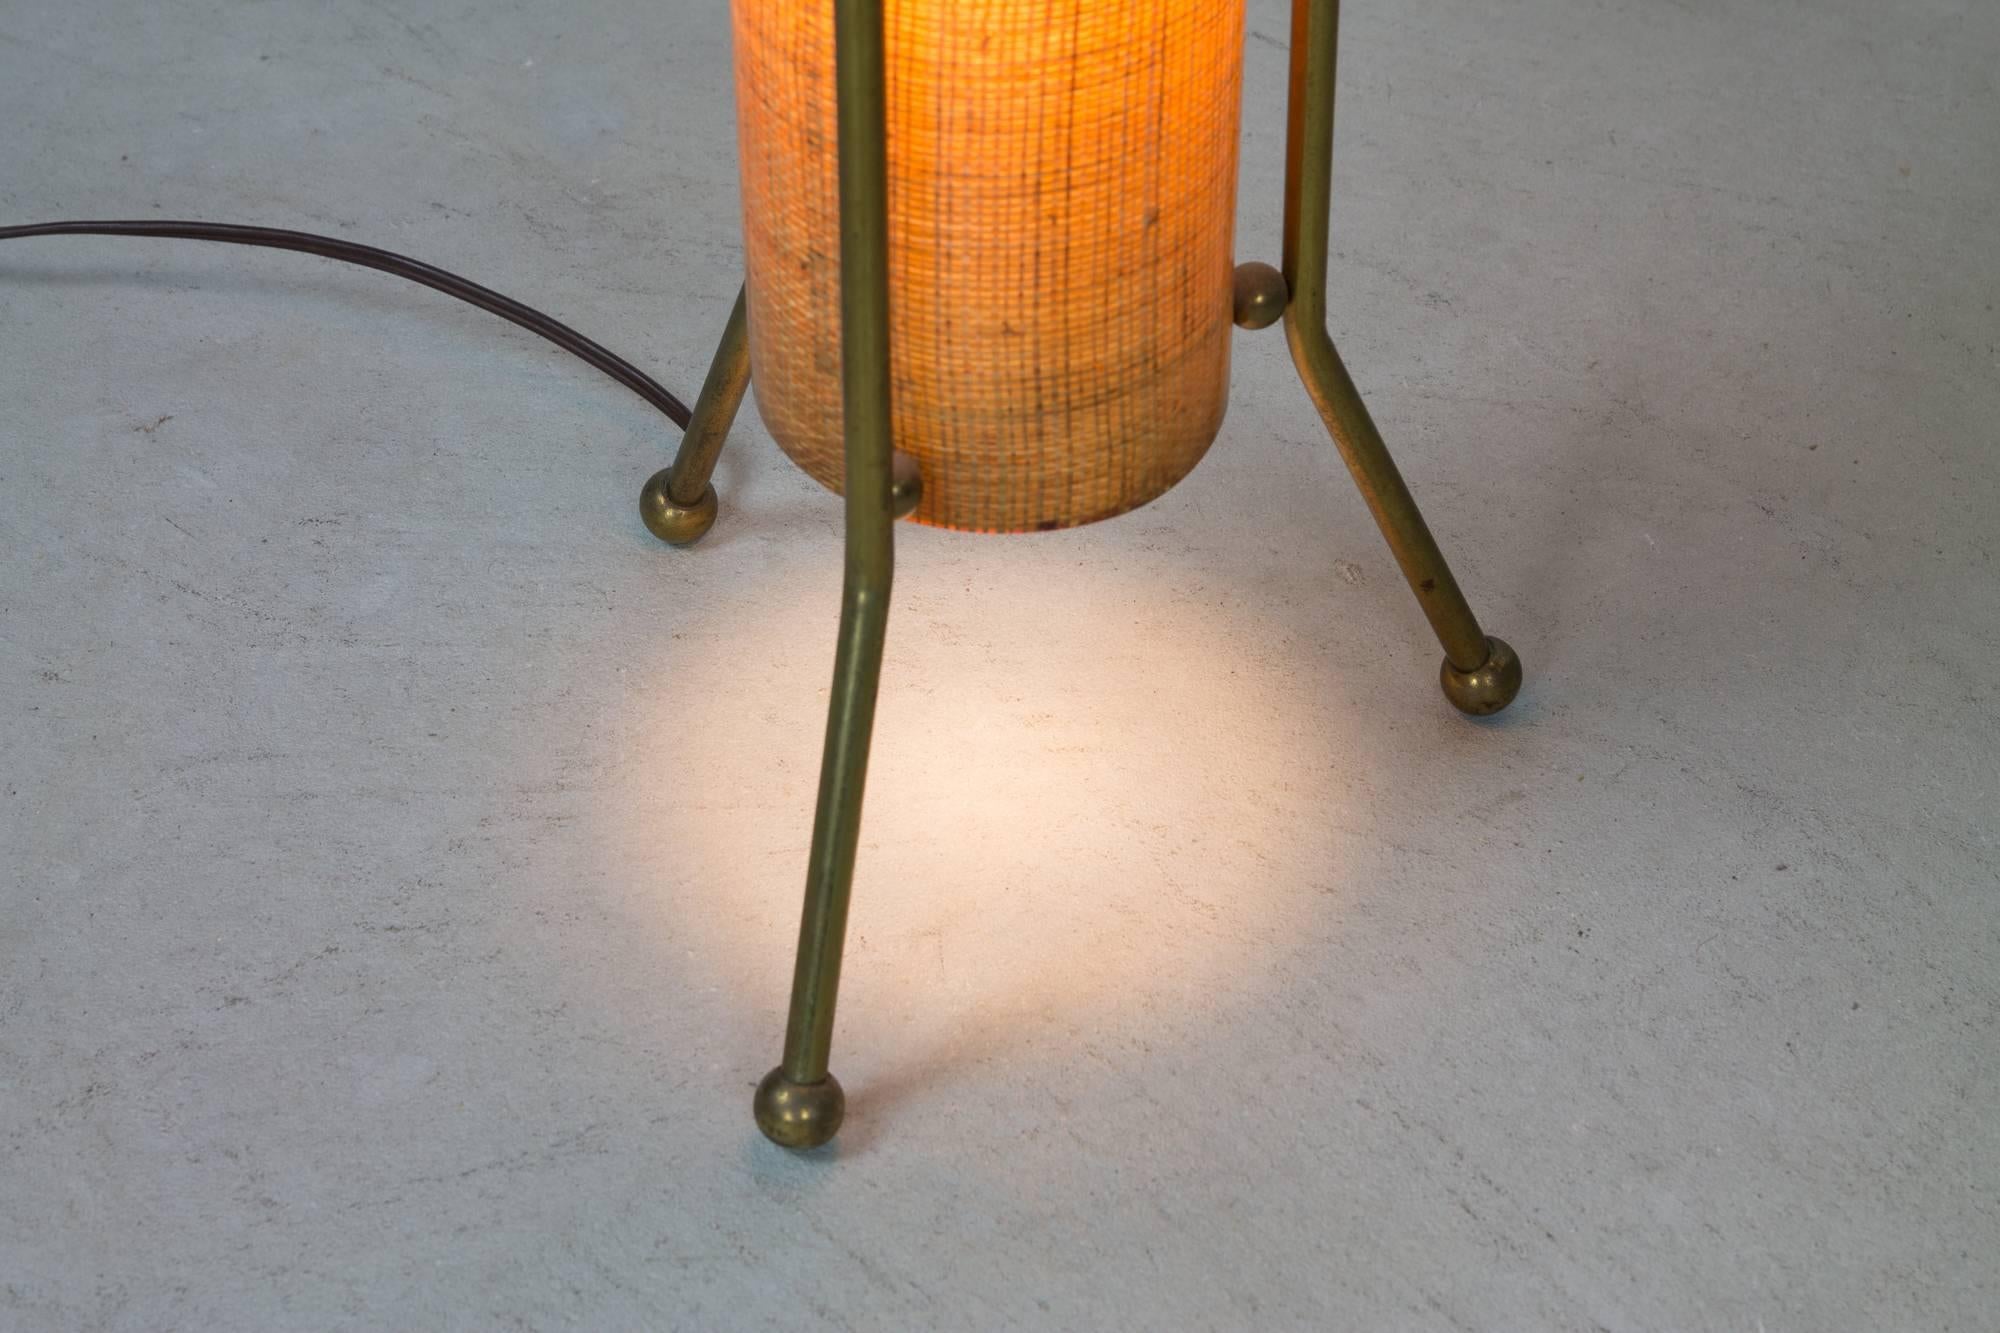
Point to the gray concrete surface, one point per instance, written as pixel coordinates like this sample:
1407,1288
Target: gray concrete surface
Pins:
401,851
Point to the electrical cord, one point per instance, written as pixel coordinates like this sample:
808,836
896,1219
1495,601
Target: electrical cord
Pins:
367,256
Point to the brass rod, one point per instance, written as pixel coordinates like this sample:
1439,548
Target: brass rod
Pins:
1308,196
714,411
864,341
677,503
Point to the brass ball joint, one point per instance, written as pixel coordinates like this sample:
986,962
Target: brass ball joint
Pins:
906,484
680,524
1261,295
1488,687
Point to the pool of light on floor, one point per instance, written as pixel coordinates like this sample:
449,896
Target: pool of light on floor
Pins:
1112,797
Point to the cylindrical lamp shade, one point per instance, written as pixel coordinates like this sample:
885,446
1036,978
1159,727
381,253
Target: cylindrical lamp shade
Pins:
1062,180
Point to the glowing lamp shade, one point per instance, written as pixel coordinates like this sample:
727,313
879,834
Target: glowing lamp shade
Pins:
1062,197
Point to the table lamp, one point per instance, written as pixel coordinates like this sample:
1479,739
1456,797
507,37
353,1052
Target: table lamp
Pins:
989,285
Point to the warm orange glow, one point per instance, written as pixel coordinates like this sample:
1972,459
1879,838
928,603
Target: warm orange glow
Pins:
1062,198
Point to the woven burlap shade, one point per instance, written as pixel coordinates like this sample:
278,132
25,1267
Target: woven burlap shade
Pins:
1062,179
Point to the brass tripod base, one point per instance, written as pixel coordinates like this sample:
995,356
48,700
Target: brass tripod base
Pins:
799,1104
799,1115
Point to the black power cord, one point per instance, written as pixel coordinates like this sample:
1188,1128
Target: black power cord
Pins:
367,256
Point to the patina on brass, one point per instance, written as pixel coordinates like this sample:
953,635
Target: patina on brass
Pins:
1487,689
799,1105
677,503
1308,194
906,484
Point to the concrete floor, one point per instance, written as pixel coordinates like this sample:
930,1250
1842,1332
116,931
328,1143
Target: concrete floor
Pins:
402,851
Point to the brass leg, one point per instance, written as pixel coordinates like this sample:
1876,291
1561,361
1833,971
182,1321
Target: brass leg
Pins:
678,504
799,1104
1480,675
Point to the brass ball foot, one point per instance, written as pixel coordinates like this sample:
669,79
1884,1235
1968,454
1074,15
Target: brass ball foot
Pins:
675,524
1487,688
799,1115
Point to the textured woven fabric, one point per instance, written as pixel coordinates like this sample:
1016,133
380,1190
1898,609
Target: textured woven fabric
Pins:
1062,179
